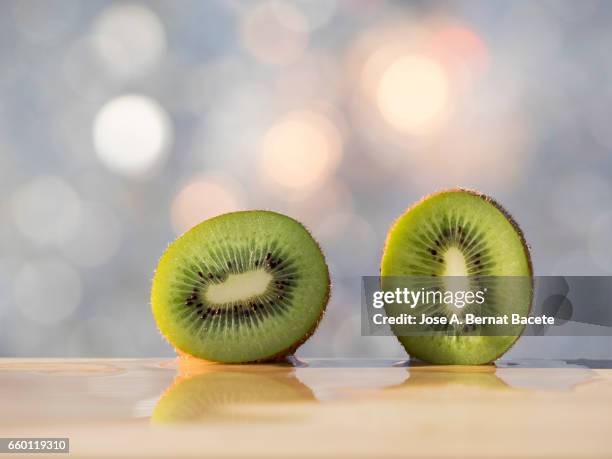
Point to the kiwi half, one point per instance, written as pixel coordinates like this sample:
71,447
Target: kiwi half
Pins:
241,287
461,233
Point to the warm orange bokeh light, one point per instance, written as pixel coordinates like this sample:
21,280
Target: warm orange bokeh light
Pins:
457,46
412,92
301,150
203,198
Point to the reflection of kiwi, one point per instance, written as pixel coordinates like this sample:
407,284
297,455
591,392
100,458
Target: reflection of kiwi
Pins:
241,287
217,394
482,377
467,236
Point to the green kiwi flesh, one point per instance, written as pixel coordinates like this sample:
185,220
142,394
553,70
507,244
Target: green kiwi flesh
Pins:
461,233
241,287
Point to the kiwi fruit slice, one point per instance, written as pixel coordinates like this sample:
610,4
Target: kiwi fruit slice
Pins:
241,287
460,235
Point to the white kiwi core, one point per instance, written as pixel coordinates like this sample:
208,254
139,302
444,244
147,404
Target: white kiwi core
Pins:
456,268
239,287
454,263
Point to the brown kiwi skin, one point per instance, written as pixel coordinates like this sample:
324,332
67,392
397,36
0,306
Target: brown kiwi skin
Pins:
285,352
499,207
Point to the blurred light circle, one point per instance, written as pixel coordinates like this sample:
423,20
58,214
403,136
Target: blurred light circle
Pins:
458,46
412,93
47,291
46,210
129,39
205,197
274,32
301,150
132,133
97,238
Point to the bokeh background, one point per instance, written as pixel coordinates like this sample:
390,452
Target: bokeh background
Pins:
122,124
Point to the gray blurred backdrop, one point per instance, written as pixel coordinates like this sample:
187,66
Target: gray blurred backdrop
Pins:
124,123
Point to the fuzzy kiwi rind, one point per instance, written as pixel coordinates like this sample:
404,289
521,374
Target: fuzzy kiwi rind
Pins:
169,254
415,353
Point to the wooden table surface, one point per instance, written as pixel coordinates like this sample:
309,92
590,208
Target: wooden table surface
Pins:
315,408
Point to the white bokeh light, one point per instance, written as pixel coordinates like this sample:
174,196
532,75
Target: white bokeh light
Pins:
129,39
46,210
132,134
47,291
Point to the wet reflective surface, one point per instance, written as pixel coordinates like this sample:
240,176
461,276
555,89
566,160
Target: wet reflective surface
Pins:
382,408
